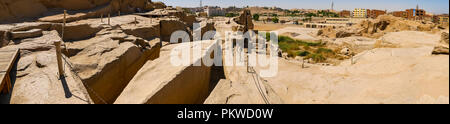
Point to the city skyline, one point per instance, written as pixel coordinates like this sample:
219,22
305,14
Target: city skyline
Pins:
433,6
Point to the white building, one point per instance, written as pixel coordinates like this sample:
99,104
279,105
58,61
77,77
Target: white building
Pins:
214,11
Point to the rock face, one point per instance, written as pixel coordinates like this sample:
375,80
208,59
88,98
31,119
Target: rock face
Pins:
107,62
245,19
170,84
75,31
26,34
43,43
37,84
146,31
4,38
444,37
376,28
14,10
171,25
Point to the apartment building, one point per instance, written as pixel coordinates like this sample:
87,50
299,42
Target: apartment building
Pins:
359,13
345,13
375,13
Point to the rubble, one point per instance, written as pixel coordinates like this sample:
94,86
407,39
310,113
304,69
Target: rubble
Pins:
377,28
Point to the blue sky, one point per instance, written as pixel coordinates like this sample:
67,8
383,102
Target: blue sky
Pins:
434,6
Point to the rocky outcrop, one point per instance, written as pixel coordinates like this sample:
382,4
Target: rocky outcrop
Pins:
170,25
441,50
146,31
330,32
77,31
376,28
108,61
226,92
4,38
444,37
37,82
443,47
18,9
245,19
26,34
42,43
15,10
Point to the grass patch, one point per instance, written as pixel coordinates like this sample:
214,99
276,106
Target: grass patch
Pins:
316,57
303,53
309,50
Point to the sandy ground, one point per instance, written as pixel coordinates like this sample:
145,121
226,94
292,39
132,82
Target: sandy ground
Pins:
299,33
381,76
260,26
407,74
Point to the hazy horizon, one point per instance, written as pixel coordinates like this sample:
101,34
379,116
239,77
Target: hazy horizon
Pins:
433,6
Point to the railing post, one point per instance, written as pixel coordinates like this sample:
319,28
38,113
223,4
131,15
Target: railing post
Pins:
64,24
58,58
109,19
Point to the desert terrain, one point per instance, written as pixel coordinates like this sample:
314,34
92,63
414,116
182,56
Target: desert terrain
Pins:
119,52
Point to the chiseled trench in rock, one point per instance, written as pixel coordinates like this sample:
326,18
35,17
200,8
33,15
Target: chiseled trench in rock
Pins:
105,87
106,62
107,84
159,82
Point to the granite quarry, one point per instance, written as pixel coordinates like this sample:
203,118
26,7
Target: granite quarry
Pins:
119,52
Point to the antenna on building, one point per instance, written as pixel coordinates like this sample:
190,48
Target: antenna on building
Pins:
417,7
332,5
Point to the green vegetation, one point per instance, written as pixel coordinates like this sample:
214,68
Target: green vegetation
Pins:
256,17
275,20
231,15
327,14
303,53
309,50
310,15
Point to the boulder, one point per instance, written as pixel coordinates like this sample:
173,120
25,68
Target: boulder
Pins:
42,43
444,37
159,5
60,17
77,31
4,38
32,25
441,50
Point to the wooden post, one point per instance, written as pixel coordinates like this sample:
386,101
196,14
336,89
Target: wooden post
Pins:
58,58
109,19
64,24
101,17
303,64
118,13
352,60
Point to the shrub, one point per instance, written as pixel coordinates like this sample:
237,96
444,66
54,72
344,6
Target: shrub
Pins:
316,57
275,20
303,53
256,17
